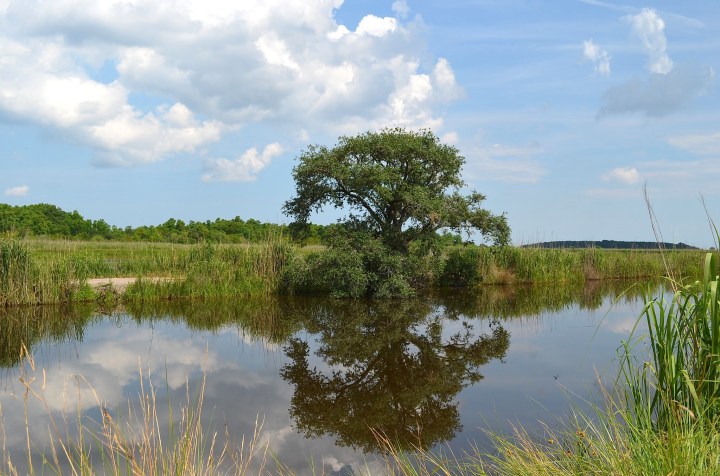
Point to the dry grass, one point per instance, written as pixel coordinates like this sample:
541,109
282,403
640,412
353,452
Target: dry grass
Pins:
136,444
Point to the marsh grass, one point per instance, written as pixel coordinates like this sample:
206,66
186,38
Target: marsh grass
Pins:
680,382
508,265
45,272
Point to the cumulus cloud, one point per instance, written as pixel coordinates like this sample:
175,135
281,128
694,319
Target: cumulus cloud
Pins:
505,163
20,191
376,26
628,175
598,56
650,29
243,169
183,75
659,95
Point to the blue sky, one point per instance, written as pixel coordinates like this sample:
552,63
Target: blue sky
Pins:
136,111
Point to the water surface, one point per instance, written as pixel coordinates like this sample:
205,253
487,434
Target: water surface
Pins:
324,375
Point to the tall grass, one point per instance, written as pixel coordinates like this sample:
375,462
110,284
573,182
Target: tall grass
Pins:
43,272
136,441
42,275
680,383
17,274
507,265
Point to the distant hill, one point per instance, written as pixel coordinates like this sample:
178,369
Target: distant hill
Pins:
611,244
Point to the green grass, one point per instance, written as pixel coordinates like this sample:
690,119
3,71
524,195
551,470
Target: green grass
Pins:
52,272
48,272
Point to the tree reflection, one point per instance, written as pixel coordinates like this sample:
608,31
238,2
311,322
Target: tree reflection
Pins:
395,369
22,328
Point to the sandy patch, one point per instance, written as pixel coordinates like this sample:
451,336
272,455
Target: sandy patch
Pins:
121,284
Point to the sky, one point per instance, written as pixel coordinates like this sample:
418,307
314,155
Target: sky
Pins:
136,111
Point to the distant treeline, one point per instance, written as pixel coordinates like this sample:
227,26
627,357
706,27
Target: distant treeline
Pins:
43,220
51,221
611,244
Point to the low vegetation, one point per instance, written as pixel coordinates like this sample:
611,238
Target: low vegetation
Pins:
52,271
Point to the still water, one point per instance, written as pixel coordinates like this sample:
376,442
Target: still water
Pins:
321,374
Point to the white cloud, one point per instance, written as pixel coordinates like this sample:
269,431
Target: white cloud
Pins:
276,52
650,29
659,95
598,56
700,144
243,169
20,191
185,74
376,26
628,175
450,137
401,9
504,163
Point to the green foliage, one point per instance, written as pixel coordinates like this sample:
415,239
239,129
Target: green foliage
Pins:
401,189
462,267
681,381
50,221
399,186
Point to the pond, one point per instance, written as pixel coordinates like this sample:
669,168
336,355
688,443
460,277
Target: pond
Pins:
316,376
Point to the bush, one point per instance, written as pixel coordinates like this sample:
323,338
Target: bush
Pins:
462,267
356,269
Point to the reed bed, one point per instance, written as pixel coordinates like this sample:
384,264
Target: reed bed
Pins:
38,273
45,271
509,265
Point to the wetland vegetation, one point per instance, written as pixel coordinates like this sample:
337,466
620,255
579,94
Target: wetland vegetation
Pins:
382,376
401,365
52,272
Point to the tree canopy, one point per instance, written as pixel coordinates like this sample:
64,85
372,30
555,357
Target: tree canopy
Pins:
400,186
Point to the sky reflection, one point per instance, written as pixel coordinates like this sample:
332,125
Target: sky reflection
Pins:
551,364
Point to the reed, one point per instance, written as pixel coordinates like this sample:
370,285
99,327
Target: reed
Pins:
511,265
36,273
680,382
17,274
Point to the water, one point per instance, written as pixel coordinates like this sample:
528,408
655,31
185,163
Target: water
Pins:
319,373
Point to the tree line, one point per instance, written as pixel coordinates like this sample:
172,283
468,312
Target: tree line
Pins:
45,220
51,221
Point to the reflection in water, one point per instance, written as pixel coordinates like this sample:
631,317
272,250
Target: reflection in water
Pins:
392,371
27,326
504,302
399,367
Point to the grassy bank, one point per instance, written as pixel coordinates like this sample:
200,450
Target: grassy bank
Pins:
45,271
51,272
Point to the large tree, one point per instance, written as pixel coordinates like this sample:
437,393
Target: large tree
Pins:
400,186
